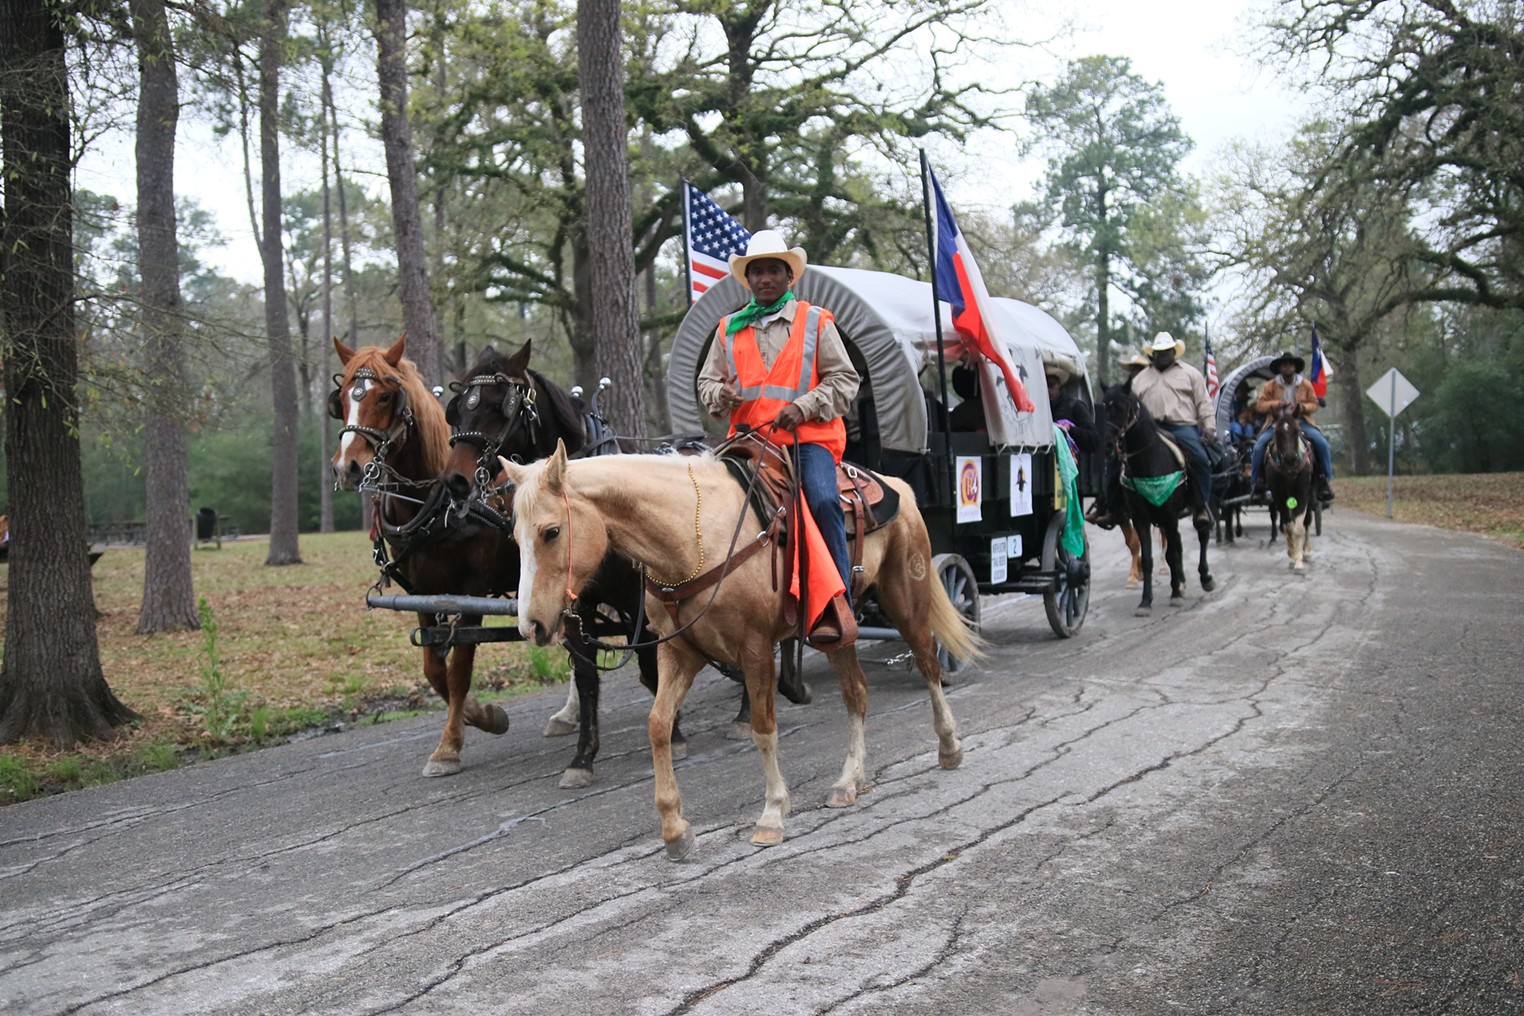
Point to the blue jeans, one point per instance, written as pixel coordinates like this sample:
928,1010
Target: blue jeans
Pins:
1314,437
1195,460
817,477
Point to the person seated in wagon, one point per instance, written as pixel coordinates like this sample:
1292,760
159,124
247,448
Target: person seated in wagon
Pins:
1287,388
779,366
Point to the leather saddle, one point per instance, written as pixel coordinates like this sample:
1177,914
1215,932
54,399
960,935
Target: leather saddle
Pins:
868,503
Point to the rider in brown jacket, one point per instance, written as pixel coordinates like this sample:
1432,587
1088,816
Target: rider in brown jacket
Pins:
1290,386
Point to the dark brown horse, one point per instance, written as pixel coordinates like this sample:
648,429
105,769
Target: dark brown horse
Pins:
393,446
1288,475
1147,464
503,407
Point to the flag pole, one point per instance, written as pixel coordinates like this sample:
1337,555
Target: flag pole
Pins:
936,314
682,187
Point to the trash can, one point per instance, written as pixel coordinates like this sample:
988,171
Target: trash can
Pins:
206,524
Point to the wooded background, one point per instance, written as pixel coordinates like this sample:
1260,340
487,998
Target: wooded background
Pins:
530,190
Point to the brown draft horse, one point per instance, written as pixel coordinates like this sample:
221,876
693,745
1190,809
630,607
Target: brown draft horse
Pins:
395,439
672,515
1288,475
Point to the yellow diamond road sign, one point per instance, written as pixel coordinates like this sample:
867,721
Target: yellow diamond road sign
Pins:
1393,393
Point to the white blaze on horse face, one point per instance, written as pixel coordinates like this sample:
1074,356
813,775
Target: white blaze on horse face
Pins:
523,534
346,443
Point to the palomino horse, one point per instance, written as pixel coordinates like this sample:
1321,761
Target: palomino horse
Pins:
1145,457
1288,475
657,510
502,406
395,439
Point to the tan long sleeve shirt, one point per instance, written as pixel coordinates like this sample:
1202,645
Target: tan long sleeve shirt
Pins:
829,399
1175,395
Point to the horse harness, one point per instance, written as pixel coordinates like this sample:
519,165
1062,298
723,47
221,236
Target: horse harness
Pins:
434,514
380,440
517,409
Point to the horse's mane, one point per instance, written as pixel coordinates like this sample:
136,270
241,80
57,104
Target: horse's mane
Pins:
428,414
558,405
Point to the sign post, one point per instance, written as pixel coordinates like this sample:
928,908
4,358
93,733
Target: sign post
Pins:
1393,393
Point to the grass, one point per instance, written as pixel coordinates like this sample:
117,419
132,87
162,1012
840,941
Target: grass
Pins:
1491,504
281,650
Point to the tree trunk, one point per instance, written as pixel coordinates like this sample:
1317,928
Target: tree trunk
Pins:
407,220
285,466
51,684
610,235
169,602
1353,395
324,424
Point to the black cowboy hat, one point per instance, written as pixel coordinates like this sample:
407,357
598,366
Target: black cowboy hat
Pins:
1275,364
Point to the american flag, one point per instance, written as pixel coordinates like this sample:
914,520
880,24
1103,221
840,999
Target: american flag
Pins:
711,236
1213,384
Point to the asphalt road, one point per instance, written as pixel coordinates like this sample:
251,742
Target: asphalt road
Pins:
1292,795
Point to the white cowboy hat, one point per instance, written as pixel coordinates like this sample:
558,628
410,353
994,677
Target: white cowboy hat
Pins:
1163,341
766,243
1060,367
1136,360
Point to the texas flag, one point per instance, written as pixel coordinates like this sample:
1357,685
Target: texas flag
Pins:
960,284
1322,370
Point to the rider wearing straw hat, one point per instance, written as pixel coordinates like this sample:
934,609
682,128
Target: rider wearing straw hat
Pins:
1175,395
779,366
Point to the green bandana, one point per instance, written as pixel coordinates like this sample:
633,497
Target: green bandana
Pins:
1155,489
754,310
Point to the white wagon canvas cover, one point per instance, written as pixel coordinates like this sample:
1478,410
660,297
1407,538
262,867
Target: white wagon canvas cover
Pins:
887,319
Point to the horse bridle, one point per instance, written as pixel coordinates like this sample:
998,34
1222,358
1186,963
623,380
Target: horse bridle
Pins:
1295,465
1118,442
381,441
517,409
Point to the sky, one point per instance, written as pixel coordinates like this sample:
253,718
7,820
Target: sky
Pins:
1194,48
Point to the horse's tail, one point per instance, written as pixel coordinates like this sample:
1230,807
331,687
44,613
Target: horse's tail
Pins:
952,629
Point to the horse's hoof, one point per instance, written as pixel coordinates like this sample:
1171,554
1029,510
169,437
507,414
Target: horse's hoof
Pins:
680,750
950,759
1143,612
796,692
739,732
441,767
841,797
1132,583
576,779
1177,601
1208,584
558,727
767,836
678,848
495,720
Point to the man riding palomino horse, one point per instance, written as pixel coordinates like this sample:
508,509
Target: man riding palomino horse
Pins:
1174,393
779,367
1289,387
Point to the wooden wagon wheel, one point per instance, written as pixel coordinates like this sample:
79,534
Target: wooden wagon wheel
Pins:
1068,604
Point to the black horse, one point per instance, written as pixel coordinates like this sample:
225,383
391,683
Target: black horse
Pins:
1147,462
502,407
1288,475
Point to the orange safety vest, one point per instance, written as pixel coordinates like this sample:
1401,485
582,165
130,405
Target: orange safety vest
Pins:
765,392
